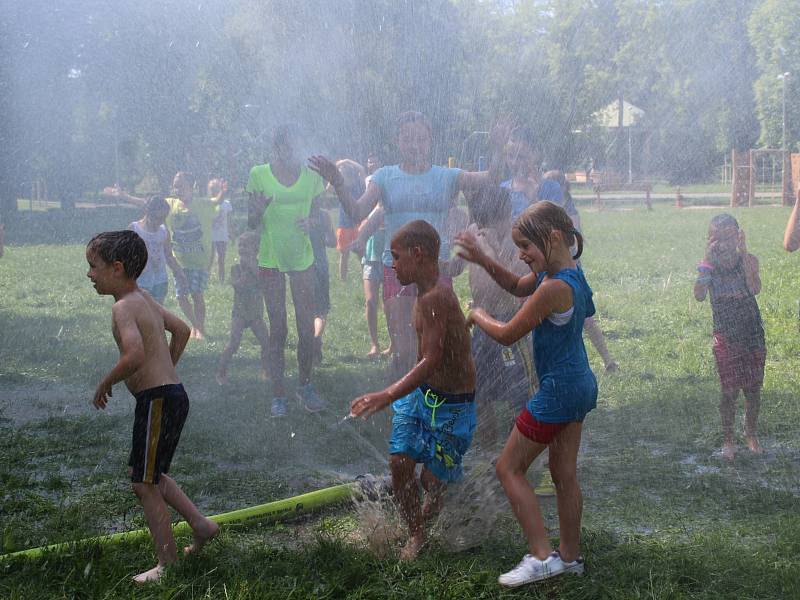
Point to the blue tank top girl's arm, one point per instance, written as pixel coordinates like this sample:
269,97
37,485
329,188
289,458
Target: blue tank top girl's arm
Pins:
553,295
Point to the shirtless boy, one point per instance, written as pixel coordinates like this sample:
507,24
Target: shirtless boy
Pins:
433,404
147,365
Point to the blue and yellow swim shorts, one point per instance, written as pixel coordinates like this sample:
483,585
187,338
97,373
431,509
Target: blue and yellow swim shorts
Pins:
434,428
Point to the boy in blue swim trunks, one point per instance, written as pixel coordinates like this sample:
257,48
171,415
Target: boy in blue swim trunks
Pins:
147,365
433,404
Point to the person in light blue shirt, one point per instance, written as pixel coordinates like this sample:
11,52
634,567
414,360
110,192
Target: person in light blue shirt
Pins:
414,189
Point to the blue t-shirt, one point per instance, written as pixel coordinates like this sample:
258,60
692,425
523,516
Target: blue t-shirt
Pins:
407,197
567,386
549,189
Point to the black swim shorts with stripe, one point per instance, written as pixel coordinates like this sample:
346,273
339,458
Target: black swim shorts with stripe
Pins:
158,422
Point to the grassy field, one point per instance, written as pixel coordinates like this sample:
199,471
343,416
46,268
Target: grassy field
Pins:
664,516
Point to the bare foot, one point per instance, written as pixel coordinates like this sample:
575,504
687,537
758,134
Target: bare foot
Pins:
373,352
222,379
154,575
202,535
612,367
412,547
753,444
728,451
387,352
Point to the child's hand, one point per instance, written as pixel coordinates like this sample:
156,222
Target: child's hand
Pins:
475,312
101,396
326,169
369,404
468,248
741,245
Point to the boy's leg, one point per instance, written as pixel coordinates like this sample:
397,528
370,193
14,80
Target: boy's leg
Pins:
404,484
727,413
275,298
188,310
203,529
302,285
221,260
563,457
752,405
434,494
512,466
259,329
371,313
343,256
200,314
160,526
237,328
599,342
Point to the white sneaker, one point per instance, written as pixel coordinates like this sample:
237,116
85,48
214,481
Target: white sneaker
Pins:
532,569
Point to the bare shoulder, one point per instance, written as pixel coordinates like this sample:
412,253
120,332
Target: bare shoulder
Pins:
440,301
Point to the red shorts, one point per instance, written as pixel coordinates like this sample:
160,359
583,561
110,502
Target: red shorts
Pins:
345,236
739,368
392,288
536,431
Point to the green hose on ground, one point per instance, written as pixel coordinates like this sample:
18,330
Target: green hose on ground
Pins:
271,511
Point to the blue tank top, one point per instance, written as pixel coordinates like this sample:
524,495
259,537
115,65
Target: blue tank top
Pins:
567,386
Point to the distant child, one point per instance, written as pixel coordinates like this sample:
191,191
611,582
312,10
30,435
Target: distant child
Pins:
147,365
730,275
433,404
248,306
189,222
156,237
354,176
558,299
219,225
322,238
371,236
504,373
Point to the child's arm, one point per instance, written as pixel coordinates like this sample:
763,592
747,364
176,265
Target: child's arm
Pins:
256,205
432,310
750,263
553,295
131,353
469,249
357,209
179,334
366,229
119,194
704,270
791,237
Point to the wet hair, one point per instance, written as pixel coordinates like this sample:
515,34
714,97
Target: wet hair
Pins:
124,246
249,237
723,220
156,205
488,205
523,135
186,175
285,135
419,234
540,219
412,116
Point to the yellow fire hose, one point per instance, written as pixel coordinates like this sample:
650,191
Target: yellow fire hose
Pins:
271,511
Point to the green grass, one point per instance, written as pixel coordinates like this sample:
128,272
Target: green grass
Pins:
664,517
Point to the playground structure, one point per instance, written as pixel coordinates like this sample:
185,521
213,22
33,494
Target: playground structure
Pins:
763,173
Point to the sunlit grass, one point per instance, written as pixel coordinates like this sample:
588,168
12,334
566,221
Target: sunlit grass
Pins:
664,517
